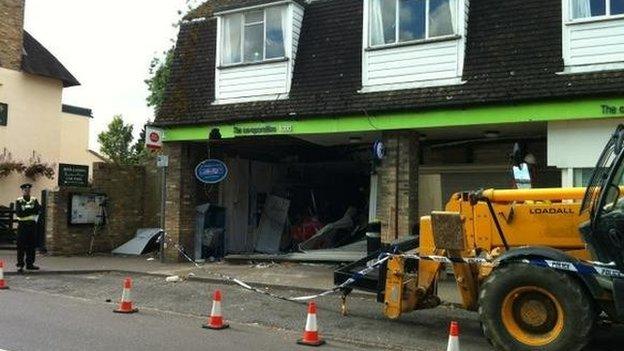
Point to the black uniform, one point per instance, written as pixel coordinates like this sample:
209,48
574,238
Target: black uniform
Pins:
27,209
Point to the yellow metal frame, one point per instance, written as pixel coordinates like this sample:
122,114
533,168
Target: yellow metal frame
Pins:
528,217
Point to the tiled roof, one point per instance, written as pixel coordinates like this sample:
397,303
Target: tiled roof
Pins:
76,110
509,58
38,60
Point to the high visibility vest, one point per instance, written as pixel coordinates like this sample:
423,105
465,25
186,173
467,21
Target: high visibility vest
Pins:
26,204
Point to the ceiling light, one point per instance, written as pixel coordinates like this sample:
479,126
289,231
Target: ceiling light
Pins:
491,134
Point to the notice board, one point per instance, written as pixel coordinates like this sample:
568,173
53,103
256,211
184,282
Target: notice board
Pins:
73,175
87,209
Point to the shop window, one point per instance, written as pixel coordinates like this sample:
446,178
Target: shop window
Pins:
254,36
582,176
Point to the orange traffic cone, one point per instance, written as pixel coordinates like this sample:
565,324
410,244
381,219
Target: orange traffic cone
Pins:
310,334
125,305
216,318
3,284
453,343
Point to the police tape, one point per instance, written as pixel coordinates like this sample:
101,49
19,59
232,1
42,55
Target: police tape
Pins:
350,281
585,267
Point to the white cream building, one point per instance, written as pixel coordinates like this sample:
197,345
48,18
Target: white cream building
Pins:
34,120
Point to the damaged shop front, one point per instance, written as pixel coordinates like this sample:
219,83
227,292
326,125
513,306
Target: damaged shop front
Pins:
316,197
275,197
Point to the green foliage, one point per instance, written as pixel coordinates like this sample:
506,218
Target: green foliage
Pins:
159,71
8,165
160,67
37,168
116,142
140,153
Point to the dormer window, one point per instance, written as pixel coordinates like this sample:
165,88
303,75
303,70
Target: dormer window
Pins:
410,44
256,51
592,39
254,36
596,8
400,21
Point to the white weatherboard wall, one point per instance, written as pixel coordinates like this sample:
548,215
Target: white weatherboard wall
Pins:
578,144
421,64
259,81
592,43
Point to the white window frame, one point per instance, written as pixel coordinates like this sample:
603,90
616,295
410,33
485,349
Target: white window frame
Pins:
607,16
427,38
264,33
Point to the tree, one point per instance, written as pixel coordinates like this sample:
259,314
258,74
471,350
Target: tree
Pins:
159,71
115,142
160,67
140,153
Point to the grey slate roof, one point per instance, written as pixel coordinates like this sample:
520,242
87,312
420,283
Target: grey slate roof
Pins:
509,58
76,110
39,61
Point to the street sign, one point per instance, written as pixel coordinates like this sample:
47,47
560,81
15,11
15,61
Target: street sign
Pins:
153,138
73,175
4,114
211,171
379,150
162,161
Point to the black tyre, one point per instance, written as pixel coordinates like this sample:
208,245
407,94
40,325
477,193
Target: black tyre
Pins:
524,307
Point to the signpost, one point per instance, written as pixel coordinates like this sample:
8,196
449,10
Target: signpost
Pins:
162,162
73,175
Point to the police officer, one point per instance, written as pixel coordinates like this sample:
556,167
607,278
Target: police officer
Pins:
27,209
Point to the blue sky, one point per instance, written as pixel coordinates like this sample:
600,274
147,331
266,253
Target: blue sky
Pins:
107,45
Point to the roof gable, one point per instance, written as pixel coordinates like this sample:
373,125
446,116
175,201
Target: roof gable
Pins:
39,61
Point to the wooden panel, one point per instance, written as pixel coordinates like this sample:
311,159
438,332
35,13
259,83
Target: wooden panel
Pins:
253,81
236,203
413,63
596,42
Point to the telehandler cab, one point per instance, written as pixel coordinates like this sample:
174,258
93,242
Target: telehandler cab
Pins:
536,286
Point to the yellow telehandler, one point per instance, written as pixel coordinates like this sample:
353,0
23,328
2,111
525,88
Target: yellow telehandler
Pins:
539,265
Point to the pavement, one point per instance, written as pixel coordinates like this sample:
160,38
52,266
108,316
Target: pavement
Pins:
298,276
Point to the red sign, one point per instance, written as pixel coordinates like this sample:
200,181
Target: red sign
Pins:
154,138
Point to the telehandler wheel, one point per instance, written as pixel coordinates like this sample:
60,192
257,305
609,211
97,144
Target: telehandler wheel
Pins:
524,307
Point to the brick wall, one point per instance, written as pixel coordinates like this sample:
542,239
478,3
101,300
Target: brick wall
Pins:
130,206
11,33
398,190
184,193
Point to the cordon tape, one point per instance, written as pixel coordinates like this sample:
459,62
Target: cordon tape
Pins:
585,267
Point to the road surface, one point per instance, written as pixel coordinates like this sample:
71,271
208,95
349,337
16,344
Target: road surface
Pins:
32,321
73,312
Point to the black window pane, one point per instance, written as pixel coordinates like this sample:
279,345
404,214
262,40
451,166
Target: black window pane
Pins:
598,7
412,19
617,7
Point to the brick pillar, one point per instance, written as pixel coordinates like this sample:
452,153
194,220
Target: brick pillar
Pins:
11,33
180,206
398,191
